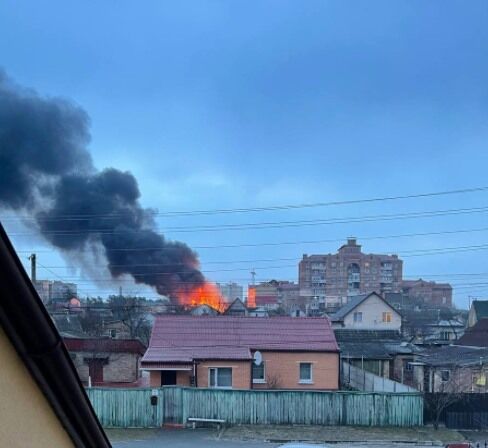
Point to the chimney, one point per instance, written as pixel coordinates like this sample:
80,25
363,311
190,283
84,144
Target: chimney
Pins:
32,259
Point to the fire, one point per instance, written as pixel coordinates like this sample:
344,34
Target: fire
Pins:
251,297
207,294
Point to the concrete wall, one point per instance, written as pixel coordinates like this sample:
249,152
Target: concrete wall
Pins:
26,417
282,370
372,310
121,367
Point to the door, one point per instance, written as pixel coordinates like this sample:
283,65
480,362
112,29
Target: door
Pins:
95,370
168,378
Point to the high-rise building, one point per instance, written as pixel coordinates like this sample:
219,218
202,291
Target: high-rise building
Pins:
332,278
439,294
231,291
55,291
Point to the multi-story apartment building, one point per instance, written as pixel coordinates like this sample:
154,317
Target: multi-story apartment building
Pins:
433,293
273,294
55,291
334,277
231,291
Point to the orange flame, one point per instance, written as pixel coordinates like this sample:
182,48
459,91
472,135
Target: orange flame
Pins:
251,297
207,294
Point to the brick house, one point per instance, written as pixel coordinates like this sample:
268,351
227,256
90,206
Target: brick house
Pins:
219,352
105,360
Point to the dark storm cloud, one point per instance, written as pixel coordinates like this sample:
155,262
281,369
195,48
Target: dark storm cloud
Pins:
45,169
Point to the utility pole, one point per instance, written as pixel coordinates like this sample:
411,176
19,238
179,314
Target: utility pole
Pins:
32,259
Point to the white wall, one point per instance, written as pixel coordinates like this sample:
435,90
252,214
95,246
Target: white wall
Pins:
372,309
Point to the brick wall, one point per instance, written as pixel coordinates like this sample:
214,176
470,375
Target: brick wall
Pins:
241,373
282,370
121,367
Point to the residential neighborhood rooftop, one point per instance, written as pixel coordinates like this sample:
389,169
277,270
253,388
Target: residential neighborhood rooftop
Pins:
455,355
184,338
477,335
104,345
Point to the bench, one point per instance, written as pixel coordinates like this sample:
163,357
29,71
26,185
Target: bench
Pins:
195,420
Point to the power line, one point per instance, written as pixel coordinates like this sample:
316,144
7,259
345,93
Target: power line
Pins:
406,253
282,243
275,207
275,224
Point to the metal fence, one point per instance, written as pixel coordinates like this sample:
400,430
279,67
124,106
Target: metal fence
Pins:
132,407
465,411
369,382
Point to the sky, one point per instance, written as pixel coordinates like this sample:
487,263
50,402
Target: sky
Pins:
217,105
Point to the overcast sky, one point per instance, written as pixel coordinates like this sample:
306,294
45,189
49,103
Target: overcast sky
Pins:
215,104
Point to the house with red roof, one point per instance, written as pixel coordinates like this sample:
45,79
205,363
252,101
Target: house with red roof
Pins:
232,352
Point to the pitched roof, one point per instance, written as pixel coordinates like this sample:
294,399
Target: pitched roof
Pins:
481,308
351,335
371,344
104,345
236,305
67,324
456,355
185,338
476,336
355,301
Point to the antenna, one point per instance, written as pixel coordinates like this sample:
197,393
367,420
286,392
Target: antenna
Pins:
253,276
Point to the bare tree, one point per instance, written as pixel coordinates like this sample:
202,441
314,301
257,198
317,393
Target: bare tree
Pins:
448,386
132,312
273,381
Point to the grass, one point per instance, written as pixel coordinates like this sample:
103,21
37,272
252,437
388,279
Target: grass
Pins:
342,434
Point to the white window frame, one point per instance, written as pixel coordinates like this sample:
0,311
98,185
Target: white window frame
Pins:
384,315
259,380
357,316
305,381
216,368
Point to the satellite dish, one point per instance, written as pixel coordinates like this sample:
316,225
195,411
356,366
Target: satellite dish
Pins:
258,358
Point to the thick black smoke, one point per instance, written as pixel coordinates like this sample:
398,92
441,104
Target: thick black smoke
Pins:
45,169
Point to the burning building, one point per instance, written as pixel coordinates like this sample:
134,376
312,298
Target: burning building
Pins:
47,175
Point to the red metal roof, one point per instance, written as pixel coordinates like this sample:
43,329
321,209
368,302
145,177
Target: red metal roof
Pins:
185,338
104,345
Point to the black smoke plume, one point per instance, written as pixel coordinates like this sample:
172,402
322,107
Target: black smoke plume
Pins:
46,170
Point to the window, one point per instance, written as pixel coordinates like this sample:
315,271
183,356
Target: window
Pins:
358,316
258,372
220,377
445,375
445,335
386,316
305,373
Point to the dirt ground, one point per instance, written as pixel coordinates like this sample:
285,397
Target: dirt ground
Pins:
329,434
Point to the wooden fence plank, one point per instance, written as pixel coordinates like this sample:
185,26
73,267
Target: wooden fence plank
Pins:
132,407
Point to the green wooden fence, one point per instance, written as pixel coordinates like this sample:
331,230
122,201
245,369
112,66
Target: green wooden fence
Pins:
126,408
132,407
